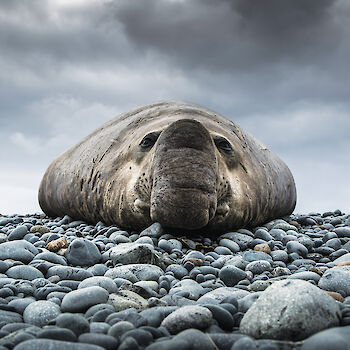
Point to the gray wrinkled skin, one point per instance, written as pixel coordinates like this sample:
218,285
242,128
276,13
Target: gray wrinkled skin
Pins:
175,163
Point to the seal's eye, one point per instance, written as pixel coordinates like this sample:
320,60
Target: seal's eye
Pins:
222,144
149,140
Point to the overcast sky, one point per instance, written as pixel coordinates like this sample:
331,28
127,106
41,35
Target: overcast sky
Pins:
279,69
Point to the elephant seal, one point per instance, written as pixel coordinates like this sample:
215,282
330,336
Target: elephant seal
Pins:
176,163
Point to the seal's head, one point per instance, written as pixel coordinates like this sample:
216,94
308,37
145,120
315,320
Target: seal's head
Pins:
175,163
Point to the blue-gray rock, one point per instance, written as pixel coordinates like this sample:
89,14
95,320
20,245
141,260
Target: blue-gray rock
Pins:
10,317
51,257
82,252
120,328
262,234
228,243
245,343
68,273
136,272
80,300
246,302
296,247
241,239
178,270
18,250
217,295
24,272
252,255
41,312
336,279
231,275
105,282
343,258
20,304
98,269
191,288
135,253
342,231
99,327
305,275
48,344
279,255
337,338
156,315
106,341
191,316
153,231
188,339
277,234
18,233
76,323
290,310
222,316
55,333
259,266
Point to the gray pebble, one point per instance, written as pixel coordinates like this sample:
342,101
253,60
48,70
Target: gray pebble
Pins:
24,272
18,233
74,322
82,252
80,300
187,317
105,282
48,344
231,275
40,313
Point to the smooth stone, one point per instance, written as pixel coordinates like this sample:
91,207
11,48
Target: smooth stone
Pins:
245,343
10,317
241,239
51,257
76,323
290,310
233,246
178,270
96,308
40,313
189,339
246,302
231,275
277,234
20,304
153,231
120,328
253,255
18,250
105,282
82,252
135,253
296,247
68,273
81,299
222,316
142,337
24,272
192,316
57,334
106,341
99,327
336,279
156,315
217,295
98,269
263,234
337,338
18,233
48,344
125,299
342,231
259,266
305,275
343,258
192,288
136,272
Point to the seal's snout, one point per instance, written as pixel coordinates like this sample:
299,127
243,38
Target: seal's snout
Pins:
184,178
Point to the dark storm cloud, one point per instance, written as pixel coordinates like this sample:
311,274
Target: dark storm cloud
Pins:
232,34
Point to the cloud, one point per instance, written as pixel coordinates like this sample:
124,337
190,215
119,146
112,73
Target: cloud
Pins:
278,69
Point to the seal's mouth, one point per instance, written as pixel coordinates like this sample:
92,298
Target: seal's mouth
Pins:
186,208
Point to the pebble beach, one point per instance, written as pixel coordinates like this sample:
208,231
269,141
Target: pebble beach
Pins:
67,284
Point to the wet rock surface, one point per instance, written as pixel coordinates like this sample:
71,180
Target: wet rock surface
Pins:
68,284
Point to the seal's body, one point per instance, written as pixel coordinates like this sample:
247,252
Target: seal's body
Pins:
175,163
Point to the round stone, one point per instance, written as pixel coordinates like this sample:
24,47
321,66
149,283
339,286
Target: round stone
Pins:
82,252
80,300
290,310
231,275
78,324
24,272
105,282
40,313
191,316
336,279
